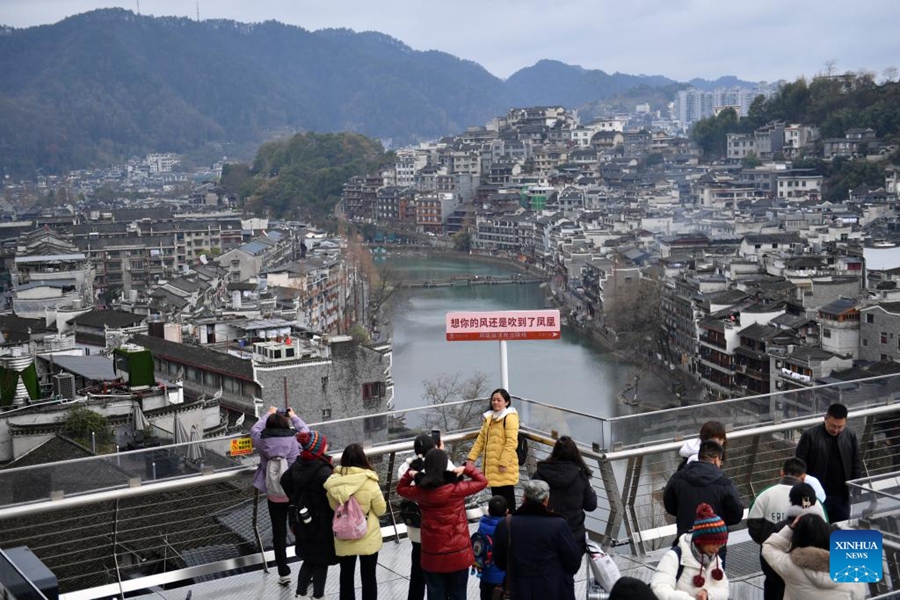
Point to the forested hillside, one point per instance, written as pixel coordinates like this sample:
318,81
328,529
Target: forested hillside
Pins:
302,177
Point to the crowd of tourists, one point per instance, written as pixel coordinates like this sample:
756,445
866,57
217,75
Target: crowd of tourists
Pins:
534,548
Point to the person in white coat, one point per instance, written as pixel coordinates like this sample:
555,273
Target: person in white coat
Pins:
799,553
691,570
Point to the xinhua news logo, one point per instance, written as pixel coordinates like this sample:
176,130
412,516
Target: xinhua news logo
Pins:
856,556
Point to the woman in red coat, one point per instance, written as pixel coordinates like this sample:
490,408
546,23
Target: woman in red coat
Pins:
446,544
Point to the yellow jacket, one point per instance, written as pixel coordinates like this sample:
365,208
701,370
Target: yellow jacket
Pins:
498,439
363,485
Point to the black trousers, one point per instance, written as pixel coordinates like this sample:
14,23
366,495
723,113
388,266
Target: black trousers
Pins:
508,492
837,507
315,573
416,574
278,513
367,566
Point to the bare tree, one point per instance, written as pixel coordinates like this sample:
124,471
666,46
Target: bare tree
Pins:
830,67
890,74
445,390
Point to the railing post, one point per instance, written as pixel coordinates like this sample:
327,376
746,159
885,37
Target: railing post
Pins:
632,480
865,446
390,483
259,544
115,546
616,508
751,463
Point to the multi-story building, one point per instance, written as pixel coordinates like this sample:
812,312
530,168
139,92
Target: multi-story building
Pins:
879,332
49,273
840,325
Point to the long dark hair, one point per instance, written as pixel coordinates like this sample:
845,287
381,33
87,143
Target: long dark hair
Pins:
355,456
811,530
278,421
503,393
435,465
565,450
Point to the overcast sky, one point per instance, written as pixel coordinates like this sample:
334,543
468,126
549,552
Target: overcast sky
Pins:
753,39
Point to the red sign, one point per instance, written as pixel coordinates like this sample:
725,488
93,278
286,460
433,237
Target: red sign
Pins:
503,325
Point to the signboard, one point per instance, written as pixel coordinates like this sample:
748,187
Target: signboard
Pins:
503,325
241,446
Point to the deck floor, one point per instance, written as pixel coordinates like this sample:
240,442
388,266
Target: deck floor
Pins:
393,576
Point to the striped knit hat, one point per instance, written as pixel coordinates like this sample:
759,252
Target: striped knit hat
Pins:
709,528
312,442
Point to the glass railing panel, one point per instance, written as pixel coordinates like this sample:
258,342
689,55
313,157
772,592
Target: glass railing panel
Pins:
13,583
753,411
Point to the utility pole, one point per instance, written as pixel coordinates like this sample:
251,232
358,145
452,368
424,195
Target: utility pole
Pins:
138,6
198,11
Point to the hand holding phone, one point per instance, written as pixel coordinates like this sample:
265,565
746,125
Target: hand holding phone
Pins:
436,437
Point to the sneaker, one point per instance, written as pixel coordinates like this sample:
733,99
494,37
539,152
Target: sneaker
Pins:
284,580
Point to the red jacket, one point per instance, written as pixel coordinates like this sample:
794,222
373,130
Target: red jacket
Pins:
446,544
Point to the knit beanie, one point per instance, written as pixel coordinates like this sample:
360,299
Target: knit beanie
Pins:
709,528
312,442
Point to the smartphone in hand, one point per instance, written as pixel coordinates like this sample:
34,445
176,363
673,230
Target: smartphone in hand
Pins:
436,437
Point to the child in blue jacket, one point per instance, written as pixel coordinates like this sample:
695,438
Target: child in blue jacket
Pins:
491,575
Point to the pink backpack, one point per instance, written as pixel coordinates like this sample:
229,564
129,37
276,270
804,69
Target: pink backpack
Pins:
349,522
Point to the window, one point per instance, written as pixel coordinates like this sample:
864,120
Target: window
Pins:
826,333
373,391
325,383
870,318
865,342
884,337
326,414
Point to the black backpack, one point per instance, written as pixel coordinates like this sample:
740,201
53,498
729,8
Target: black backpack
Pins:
410,513
521,446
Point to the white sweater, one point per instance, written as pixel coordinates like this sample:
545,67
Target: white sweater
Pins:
666,588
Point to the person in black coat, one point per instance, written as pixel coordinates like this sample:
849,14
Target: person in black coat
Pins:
831,453
571,492
537,549
703,481
304,483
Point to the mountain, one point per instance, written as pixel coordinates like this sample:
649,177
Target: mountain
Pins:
726,81
108,84
552,82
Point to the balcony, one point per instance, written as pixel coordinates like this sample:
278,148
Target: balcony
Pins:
174,517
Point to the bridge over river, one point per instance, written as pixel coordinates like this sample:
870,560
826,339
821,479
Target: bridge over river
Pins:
474,280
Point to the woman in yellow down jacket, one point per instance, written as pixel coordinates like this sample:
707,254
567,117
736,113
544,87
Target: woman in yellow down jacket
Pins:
497,440
356,477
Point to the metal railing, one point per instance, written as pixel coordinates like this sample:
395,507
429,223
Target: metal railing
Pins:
876,505
98,522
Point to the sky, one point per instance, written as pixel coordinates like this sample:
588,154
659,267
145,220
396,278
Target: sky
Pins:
756,40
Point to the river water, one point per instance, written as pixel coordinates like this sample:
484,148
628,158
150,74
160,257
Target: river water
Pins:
573,372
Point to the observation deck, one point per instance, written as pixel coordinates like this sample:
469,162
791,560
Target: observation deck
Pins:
183,519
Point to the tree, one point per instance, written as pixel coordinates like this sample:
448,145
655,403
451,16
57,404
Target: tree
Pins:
81,422
462,240
750,161
631,308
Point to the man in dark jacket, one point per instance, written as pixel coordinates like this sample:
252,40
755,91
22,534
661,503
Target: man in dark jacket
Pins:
831,454
537,549
702,481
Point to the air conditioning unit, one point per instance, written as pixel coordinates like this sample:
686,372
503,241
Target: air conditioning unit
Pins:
778,364
779,385
64,385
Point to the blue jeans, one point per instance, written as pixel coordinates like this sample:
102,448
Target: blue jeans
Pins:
447,586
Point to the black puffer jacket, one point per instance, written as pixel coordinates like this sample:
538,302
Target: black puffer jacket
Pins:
315,542
571,494
814,448
701,481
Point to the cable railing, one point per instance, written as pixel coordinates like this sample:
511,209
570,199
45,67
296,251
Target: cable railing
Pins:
107,525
